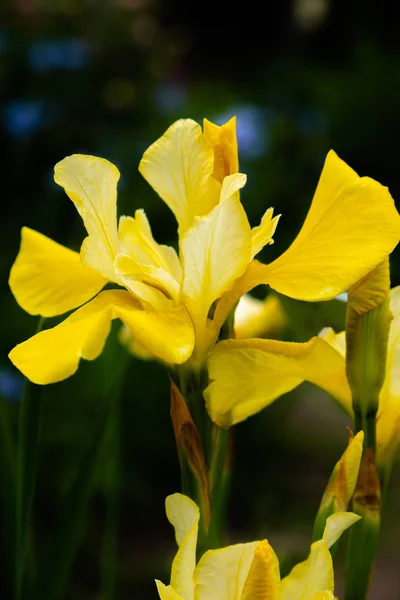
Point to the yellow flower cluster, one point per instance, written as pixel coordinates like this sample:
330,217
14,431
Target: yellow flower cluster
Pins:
174,304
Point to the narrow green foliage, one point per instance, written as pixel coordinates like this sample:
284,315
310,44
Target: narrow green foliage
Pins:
30,416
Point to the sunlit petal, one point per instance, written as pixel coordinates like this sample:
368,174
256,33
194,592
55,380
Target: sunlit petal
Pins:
91,183
221,574
262,234
216,250
184,515
54,354
224,143
48,279
247,375
179,166
352,225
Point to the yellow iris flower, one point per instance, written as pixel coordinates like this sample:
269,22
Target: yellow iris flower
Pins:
246,571
174,305
247,375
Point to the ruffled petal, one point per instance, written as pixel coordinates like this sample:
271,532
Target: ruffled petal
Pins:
48,279
247,375
179,166
91,183
216,250
184,515
54,354
221,574
352,225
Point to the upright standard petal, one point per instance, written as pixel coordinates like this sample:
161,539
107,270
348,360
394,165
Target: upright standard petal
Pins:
352,225
216,250
262,234
221,574
91,183
315,575
224,142
54,354
263,580
166,592
247,375
48,279
179,166
184,515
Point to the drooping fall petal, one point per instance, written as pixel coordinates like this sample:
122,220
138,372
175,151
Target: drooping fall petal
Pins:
179,166
49,279
91,184
216,250
184,515
352,225
247,375
54,354
221,574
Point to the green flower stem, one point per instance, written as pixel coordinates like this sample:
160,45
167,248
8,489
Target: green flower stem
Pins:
364,535
112,448
219,475
30,417
7,499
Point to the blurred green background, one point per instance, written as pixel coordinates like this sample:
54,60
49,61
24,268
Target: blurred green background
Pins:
107,78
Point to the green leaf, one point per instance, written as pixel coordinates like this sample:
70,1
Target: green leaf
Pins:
7,510
55,565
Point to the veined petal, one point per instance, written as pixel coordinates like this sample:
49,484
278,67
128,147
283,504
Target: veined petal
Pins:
247,375
262,234
216,250
352,225
258,318
263,580
184,515
224,143
179,166
91,183
54,354
166,592
48,279
221,574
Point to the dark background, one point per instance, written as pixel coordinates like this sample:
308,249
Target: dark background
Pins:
108,78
